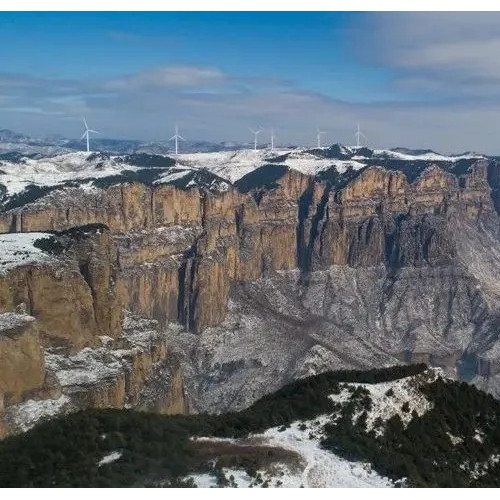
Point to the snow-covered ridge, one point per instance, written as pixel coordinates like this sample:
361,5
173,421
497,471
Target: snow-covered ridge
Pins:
227,167
15,176
428,156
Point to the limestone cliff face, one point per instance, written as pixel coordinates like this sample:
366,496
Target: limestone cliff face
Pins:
175,256
180,250
74,300
21,358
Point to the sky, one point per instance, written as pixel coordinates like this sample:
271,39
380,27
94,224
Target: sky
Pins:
424,80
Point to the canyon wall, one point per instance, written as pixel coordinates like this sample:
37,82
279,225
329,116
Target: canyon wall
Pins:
184,256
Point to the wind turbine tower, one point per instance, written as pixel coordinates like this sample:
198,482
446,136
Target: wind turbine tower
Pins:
86,134
176,138
272,139
255,134
318,136
358,134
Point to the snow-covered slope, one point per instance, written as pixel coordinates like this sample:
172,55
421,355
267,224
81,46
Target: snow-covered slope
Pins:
308,463
17,249
15,176
316,467
214,171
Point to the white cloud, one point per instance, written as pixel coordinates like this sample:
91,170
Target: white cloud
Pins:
449,58
450,53
168,77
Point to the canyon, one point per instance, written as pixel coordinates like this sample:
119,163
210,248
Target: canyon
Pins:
182,298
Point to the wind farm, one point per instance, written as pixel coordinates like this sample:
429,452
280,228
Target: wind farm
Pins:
272,145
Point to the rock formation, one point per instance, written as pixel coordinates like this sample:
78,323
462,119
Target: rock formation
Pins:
251,287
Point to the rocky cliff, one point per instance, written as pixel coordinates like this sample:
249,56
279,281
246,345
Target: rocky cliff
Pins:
281,275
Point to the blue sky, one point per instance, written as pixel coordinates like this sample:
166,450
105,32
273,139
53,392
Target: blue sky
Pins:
311,49
410,79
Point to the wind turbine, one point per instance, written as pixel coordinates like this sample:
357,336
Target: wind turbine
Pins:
358,134
255,134
176,137
272,139
86,134
318,136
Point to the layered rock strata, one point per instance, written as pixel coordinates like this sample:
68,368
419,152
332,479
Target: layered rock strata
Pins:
362,273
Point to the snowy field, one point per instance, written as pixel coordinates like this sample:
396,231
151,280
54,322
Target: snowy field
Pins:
401,397
16,249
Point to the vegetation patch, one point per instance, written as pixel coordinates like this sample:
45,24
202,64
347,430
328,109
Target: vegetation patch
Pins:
145,176
156,448
456,442
61,241
148,160
264,177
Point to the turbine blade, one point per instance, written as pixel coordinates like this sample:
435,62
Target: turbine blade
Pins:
85,123
181,138
94,131
83,136
172,138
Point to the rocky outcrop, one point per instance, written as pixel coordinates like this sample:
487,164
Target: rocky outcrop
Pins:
367,248
73,297
21,358
41,383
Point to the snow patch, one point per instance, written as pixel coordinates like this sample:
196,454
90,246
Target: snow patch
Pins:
400,397
111,457
10,320
26,415
16,249
319,468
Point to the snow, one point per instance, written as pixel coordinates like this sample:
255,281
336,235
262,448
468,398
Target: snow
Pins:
93,366
479,469
229,165
318,468
323,469
454,439
388,399
56,170
173,175
26,415
10,320
111,457
430,156
16,249
233,165
87,367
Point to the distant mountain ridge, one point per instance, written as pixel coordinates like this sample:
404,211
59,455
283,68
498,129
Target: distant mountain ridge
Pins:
38,147
14,142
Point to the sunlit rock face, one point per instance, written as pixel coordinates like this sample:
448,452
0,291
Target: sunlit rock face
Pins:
240,289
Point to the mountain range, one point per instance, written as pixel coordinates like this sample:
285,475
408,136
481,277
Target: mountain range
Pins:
204,282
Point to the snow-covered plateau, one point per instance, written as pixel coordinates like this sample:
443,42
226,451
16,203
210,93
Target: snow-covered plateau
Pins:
81,168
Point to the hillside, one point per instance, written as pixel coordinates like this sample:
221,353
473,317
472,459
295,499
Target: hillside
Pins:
381,428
